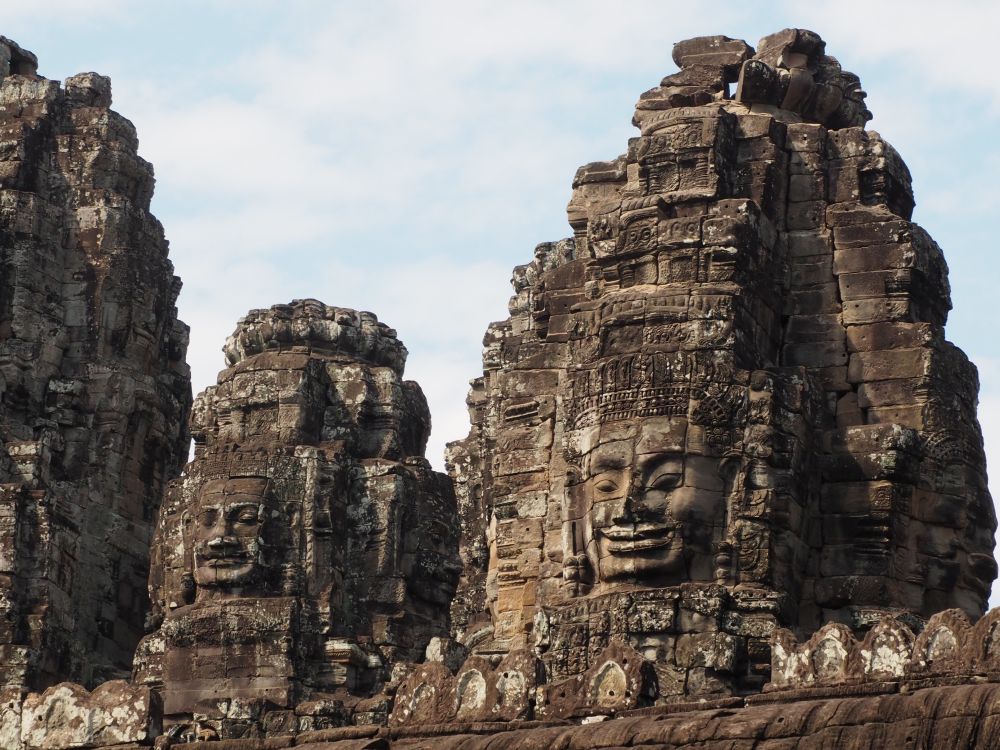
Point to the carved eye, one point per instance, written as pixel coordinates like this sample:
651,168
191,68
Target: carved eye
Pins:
606,485
665,482
208,517
247,515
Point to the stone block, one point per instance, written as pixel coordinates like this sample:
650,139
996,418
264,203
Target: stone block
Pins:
889,364
912,415
822,299
811,270
806,137
816,354
714,51
807,187
10,718
806,215
879,336
824,327
857,497
886,233
89,90
843,182
865,312
67,717
719,651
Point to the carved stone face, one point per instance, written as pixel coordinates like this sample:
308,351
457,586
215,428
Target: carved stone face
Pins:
228,533
437,570
651,508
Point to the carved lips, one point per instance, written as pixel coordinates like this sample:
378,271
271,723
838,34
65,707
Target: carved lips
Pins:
624,540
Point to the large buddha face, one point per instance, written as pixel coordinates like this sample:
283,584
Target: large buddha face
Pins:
228,533
652,508
435,571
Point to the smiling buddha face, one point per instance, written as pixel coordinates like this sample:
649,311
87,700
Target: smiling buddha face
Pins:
652,509
228,530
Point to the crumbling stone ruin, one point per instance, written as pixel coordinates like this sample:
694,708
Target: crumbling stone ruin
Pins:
724,486
94,387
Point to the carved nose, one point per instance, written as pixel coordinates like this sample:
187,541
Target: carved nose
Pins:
626,513
221,542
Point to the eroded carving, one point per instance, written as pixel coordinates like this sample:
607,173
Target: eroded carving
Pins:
94,387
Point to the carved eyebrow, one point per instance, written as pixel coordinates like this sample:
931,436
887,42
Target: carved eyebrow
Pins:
241,506
660,464
608,463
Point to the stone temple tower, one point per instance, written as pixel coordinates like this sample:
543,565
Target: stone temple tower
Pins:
724,486
94,387
726,403
309,546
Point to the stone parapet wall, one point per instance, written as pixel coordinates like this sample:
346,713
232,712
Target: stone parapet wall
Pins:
943,716
948,648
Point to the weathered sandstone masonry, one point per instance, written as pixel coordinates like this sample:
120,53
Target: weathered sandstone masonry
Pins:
309,547
94,388
726,404
724,486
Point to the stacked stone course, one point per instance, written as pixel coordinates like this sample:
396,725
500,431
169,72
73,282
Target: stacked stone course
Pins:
309,547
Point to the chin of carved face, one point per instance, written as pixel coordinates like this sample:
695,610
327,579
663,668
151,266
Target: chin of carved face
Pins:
640,557
238,567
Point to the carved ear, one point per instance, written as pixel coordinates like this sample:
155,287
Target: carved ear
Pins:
189,588
574,474
186,536
729,467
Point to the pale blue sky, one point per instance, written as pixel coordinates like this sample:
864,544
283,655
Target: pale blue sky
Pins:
402,157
